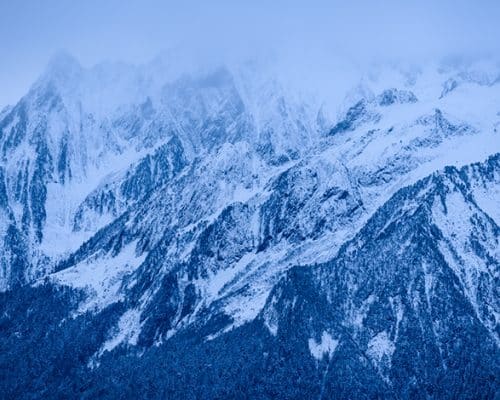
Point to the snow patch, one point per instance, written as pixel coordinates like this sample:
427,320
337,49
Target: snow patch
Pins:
326,346
101,277
218,280
380,346
128,330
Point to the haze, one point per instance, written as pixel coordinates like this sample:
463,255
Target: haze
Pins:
299,33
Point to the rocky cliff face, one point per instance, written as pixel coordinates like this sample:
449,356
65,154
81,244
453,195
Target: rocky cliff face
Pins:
166,226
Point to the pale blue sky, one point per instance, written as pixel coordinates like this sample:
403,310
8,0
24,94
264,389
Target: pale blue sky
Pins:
137,30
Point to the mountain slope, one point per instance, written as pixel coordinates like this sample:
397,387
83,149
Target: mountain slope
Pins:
389,316
164,227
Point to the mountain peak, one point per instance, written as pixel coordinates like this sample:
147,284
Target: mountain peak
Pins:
63,59
62,67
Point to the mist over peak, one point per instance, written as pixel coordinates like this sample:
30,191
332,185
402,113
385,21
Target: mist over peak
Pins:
310,36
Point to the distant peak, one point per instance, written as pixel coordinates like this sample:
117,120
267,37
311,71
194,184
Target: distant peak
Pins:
63,65
63,59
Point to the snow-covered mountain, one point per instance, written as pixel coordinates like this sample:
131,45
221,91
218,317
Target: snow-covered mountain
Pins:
220,233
